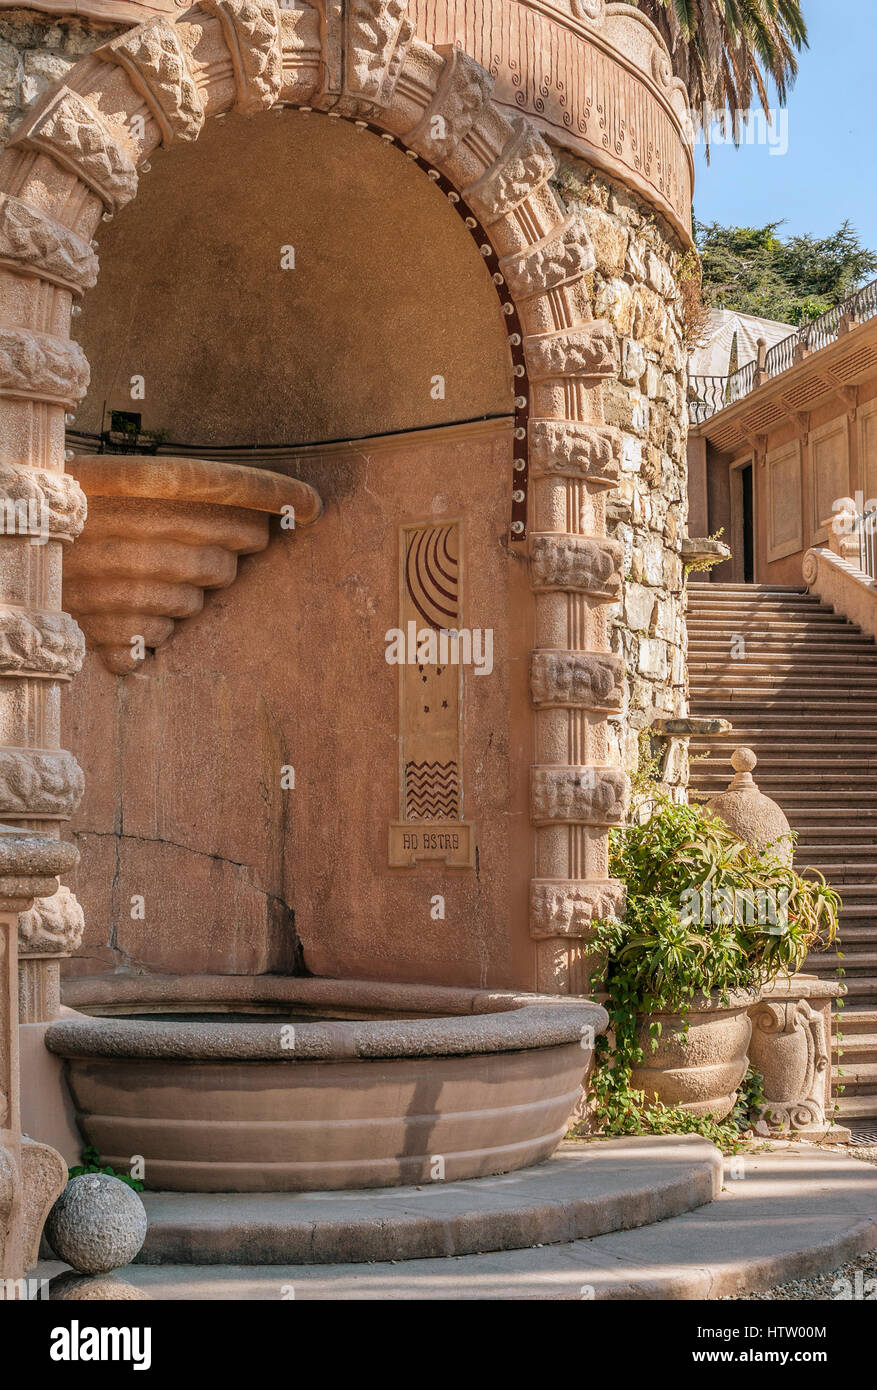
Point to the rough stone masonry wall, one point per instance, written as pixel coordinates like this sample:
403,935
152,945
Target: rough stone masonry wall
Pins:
35,51
635,288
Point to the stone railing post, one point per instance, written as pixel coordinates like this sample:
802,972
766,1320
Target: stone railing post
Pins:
32,1175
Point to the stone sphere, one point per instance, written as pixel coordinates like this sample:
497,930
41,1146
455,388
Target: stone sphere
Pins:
97,1224
71,1287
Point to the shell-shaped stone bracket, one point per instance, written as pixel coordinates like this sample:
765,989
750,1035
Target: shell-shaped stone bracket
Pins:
160,532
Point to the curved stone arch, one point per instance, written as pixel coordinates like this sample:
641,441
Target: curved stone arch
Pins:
75,158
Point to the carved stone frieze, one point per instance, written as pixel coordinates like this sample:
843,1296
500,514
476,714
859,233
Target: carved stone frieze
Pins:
558,260
53,926
583,795
41,246
568,908
525,164
47,644
462,93
581,680
568,449
41,366
583,564
591,349
38,501
252,31
36,782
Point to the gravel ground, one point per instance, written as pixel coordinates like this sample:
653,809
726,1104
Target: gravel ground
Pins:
821,1286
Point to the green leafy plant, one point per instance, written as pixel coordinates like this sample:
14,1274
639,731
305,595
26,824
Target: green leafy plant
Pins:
91,1164
706,915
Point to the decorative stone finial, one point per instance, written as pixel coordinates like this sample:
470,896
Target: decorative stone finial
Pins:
751,815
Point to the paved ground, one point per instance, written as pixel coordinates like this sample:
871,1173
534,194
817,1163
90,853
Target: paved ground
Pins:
855,1280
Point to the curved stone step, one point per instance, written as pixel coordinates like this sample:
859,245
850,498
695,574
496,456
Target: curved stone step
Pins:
584,1190
799,1210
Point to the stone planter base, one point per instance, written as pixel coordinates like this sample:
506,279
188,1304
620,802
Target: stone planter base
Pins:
791,1047
699,1067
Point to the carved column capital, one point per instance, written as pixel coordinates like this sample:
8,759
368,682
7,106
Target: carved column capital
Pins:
70,131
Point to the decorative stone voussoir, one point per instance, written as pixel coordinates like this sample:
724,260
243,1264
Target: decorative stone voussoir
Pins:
578,795
525,164
378,34
568,908
37,245
53,926
252,32
364,45
158,67
591,349
42,367
580,680
52,504
462,93
580,563
568,449
36,782
72,133
558,260
45,644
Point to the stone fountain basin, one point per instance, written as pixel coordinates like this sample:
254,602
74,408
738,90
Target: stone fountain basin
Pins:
347,1084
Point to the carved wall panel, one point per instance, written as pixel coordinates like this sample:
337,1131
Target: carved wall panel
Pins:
431,685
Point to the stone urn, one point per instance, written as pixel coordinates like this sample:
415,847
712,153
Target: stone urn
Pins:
699,1066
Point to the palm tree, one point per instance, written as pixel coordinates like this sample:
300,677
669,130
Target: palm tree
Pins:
726,50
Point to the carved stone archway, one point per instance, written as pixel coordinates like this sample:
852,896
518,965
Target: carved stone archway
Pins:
75,159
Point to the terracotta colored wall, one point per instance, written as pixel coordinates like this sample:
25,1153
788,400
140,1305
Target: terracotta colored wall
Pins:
723,506
388,291
183,802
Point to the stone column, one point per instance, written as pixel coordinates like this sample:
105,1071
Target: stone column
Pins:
32,1175
576,795
42,375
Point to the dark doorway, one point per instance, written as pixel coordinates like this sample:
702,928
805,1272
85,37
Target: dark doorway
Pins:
748,528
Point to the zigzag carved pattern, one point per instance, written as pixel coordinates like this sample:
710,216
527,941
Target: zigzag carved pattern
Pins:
432,791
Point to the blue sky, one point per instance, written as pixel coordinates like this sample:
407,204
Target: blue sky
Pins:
830,170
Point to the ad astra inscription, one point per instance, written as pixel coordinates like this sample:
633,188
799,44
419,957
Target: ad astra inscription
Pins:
450,842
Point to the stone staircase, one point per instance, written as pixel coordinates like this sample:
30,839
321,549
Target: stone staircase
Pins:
652,1217
799,684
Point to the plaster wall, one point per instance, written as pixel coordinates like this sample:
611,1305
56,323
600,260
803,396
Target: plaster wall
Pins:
184,807
386,293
